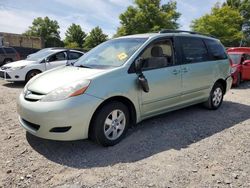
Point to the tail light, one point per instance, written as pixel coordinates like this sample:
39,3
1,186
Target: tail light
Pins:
231,62
18,56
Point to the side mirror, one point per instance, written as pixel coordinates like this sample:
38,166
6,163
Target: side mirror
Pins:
143,82
138,65
246,62
46,60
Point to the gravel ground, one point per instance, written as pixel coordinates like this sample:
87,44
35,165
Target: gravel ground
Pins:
192,147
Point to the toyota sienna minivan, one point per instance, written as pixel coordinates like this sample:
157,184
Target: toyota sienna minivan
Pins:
122,82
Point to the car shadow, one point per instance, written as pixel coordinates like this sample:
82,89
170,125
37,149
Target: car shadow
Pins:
243,85
14,84
174,130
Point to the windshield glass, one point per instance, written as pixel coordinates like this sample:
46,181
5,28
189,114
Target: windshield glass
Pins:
112,53
235,58
40,55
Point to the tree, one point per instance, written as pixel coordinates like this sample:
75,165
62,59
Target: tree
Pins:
223,22
243,6
72,45
148,16
76,35
95,37
46,29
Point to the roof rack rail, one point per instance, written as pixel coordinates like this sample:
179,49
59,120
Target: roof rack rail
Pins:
183,31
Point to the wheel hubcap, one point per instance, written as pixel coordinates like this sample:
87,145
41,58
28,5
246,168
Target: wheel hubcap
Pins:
217,96
114,124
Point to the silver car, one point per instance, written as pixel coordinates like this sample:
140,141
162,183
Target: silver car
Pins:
122,82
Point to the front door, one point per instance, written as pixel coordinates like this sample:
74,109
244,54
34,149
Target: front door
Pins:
163,77
246,68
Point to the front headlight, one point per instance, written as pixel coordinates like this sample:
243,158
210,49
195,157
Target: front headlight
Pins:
70,90
16,68
233,70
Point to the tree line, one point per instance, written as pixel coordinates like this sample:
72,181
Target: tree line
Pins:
229,22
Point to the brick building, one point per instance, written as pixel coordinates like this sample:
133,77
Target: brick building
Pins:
17,40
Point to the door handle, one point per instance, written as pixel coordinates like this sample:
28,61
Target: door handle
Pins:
184,70
175,72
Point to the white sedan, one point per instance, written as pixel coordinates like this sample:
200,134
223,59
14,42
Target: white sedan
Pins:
38,62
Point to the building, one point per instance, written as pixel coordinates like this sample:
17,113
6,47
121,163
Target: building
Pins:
17,40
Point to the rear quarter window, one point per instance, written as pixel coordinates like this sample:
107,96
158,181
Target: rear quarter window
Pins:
216,49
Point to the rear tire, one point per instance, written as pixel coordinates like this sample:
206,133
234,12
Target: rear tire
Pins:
31,74
216,97
110,124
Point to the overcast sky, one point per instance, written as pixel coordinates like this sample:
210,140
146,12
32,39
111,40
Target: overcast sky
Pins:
17,15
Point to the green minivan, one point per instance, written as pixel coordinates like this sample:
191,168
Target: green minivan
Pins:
122,82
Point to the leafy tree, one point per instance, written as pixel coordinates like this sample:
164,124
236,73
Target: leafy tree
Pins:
95,37
243,6
72,45
75,35
223,22
148,16
46,29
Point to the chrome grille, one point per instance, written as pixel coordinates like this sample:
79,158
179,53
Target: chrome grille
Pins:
33,96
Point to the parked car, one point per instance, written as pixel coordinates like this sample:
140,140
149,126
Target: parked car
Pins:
7,55
240,57
122,82
38,62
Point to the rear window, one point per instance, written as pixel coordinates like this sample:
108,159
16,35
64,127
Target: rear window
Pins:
216,49
9,50
194,50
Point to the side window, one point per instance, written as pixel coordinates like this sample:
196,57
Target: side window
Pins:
74,55
58,57
193,50
1,51
158,55
216,49
246,57
9,50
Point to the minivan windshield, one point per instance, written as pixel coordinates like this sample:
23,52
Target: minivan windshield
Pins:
112,53
235,58
40,55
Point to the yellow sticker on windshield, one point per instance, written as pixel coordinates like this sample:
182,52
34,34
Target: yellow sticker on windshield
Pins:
122,56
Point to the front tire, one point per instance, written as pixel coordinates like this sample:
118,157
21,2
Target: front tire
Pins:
110,124
31,74
216,97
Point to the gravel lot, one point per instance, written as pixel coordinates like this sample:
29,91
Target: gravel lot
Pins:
192,147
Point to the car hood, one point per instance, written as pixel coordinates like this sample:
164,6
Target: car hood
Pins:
53,79
19,63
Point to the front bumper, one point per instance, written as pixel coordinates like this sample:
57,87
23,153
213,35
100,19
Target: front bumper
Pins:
11,76
39,118
235,77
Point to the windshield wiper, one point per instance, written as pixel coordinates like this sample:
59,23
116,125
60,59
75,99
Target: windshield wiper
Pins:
83,66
